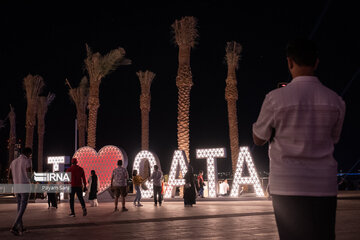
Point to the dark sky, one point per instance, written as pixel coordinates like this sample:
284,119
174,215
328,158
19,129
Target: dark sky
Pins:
49,40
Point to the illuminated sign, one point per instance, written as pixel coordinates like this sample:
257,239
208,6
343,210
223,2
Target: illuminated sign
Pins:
56,161
140,159
179,159
244,156
103,162
211,154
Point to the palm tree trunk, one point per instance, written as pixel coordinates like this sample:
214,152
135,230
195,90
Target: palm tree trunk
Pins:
93,110
184,84
30,123
41,133
233,132
144,129
233,50
82,128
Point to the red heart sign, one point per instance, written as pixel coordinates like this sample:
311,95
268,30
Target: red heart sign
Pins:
103,162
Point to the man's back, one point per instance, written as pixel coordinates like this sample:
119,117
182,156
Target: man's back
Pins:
307,118
120,176
157,176
19,168
77,175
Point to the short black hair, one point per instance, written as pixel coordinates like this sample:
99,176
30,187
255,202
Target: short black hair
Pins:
27,151
303,51
156,167
119,163
134,172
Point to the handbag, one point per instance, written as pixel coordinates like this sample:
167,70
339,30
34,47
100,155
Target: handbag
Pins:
143,186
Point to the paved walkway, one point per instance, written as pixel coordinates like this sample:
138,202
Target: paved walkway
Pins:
206,220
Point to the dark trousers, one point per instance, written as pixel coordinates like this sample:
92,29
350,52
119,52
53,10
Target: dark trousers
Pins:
22,201
78,191
303,217
157,194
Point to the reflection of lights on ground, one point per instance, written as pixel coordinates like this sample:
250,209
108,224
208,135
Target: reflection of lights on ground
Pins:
244,156
179,158
211,154
141,156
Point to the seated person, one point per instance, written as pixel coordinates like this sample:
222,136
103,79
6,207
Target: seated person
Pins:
224,188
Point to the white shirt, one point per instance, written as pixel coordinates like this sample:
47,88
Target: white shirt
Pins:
307,118
224,188
19,174
120,177
18,169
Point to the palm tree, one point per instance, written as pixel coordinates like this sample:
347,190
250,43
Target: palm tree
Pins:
98,67
12,137
185,35
233,50
145,98
33,86
80,96
43,103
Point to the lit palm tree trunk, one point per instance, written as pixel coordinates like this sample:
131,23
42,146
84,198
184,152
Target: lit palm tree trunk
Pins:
43,103
33,86
93,106
81,121
12,135
80,96
145,99
98,67
233,50
185,35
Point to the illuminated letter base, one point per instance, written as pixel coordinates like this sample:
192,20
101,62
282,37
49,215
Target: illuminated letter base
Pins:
244,155
153,160
179,158
211,154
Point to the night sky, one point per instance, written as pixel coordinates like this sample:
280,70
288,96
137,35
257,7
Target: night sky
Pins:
49,40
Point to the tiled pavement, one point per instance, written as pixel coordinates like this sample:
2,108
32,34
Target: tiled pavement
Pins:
250,219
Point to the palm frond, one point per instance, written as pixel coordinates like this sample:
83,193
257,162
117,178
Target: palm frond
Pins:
33,86
112,60
146,79
186,31
233,50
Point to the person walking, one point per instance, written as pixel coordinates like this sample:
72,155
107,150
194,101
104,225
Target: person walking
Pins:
94,188
157,176
78,186
119,179
189,188
20,175
302,121
200,184
137,180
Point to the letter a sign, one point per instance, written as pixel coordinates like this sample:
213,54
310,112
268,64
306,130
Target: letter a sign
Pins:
244,156
179,158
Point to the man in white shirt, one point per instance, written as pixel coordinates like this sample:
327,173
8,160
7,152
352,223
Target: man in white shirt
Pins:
119,179
19,175
224,188
157,177
302,121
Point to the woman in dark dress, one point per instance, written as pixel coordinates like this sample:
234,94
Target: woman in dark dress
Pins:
94,186
189,188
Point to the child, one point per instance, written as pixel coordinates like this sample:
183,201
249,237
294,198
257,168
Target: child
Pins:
137,180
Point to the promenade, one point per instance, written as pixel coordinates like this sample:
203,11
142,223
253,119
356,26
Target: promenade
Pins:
240,219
